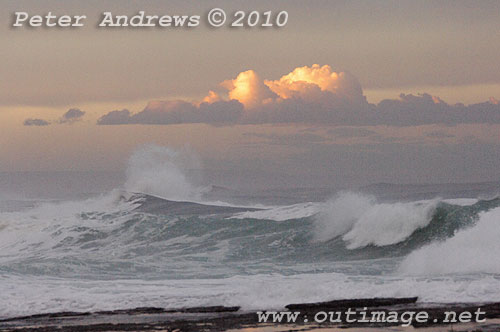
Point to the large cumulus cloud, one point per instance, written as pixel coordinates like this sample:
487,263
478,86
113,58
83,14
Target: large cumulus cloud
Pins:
313,95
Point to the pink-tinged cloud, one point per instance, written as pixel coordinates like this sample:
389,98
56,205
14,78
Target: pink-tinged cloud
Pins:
315,94
211,98
249,89
305,82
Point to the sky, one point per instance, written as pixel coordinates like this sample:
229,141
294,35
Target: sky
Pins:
347,93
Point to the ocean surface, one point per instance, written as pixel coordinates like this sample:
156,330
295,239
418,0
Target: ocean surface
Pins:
137,246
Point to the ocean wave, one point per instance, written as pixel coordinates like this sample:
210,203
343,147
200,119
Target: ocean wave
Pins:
118,235
471,250
160,224
110,252
282,213
362,221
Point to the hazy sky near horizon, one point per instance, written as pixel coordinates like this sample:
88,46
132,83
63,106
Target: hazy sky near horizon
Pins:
437,53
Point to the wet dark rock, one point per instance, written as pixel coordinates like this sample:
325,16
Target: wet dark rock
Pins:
355,303
220,318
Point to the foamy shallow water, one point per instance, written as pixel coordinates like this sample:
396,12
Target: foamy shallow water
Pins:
29,295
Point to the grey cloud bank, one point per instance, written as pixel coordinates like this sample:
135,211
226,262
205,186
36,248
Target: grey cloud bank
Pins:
178,112
409,110
71,116
35,122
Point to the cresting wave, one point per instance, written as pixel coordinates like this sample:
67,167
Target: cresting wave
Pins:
362,221
359,223
470,250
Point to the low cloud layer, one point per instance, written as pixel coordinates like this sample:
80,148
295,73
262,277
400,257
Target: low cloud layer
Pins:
71,116
177,112
311,95
35,122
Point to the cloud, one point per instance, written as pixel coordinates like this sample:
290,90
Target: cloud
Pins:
35,122
249,89
309,82
426,109
212,97
310,95
115,117
72,115
177,112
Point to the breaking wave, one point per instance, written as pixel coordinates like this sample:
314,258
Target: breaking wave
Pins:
361,221
474,249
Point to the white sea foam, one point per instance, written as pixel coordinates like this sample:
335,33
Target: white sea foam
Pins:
472,250
282,213
43,227
461,201
30,295
362,221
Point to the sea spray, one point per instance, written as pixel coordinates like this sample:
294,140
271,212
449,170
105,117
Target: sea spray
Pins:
163,172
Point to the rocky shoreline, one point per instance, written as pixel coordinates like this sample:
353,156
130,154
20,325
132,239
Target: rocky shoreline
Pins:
220,318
